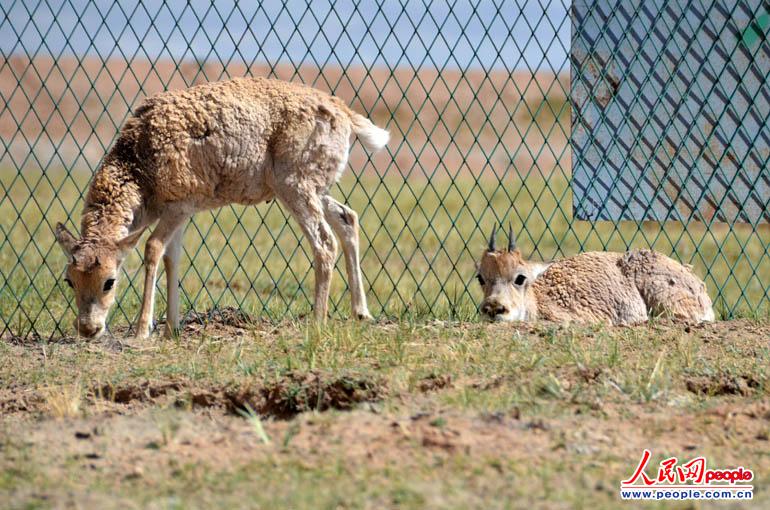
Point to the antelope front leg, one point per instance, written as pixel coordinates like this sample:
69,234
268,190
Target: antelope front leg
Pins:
153,251
171,264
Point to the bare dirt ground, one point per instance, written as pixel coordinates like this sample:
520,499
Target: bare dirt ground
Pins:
237,412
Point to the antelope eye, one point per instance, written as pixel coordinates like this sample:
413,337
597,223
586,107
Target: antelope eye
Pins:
520,279
480,279
69,282
109,284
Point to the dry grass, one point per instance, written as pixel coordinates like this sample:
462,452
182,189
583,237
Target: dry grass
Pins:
63,401
408,415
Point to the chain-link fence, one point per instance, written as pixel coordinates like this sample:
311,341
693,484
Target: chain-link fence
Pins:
480,102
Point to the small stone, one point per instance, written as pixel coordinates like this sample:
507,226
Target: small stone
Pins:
136,472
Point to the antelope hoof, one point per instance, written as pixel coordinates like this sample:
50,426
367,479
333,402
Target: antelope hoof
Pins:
142,332
364,316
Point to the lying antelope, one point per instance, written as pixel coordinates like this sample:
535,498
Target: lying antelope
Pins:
618,288
241,141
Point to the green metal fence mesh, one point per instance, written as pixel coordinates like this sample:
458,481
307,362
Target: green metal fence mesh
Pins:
476,95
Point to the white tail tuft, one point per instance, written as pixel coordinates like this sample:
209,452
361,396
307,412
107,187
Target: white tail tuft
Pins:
371,136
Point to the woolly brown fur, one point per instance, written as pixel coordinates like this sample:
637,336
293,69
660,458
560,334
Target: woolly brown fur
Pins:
617,288
242,141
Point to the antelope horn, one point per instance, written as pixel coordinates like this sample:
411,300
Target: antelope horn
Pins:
492,239
511,240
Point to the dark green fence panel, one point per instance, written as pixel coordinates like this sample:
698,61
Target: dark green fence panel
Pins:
476,95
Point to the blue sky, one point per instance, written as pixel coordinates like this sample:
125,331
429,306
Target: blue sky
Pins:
488,34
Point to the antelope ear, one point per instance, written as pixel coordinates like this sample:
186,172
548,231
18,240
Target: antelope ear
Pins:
539,268
66,240
128,242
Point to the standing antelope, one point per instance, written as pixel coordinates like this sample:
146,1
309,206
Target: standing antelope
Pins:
618,288
241,141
